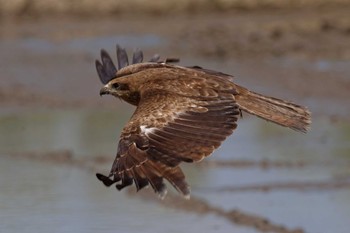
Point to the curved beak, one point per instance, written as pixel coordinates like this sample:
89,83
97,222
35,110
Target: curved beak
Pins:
104,91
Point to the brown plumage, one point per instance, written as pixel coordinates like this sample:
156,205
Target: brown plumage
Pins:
183,114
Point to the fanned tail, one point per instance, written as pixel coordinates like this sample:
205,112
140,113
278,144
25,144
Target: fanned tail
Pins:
281,112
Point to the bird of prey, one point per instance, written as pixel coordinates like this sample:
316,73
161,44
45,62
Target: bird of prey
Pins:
182,115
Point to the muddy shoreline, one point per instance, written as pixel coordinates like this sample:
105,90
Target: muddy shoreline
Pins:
89,8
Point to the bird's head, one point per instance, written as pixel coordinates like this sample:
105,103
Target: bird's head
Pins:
115,88
120,89
112,77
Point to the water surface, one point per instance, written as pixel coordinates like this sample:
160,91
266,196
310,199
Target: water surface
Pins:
45,196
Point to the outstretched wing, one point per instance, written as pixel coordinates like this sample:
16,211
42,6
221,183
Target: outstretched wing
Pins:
168,128
107,70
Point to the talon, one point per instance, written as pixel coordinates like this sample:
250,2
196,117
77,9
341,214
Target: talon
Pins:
105,180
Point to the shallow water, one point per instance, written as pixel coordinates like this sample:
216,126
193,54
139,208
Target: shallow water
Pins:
44,196
38,197
89,44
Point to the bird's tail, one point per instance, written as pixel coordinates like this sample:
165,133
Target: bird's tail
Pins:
272,109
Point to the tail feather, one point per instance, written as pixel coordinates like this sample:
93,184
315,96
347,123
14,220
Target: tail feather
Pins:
275,110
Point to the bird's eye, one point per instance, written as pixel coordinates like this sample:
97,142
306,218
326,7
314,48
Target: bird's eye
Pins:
115,85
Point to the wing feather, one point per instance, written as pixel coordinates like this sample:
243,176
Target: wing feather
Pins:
168,128
137,57
122,56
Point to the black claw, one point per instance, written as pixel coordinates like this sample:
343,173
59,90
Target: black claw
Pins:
125,182
105,180
140,183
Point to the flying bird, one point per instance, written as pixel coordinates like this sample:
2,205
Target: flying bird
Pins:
182,115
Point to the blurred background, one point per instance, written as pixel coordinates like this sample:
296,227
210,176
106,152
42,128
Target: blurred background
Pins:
56,132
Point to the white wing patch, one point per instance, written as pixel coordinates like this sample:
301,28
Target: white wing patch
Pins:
146,130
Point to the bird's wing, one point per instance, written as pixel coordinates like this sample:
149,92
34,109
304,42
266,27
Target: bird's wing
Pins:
168,128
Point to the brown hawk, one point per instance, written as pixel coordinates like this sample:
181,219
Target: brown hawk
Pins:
183,114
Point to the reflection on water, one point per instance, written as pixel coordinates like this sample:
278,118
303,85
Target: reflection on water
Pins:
41,197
